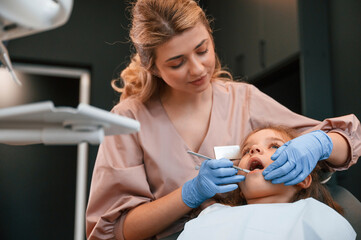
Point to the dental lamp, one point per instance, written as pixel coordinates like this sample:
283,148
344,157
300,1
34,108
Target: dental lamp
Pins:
19,18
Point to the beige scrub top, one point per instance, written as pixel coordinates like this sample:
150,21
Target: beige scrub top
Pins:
138,168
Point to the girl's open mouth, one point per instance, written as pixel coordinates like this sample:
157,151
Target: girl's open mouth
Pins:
255,164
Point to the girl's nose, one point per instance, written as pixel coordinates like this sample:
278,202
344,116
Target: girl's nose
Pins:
256,149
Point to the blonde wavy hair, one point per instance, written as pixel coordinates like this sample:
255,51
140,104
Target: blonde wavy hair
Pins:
154,22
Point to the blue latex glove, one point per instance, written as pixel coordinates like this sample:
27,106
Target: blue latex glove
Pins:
210,180
296,159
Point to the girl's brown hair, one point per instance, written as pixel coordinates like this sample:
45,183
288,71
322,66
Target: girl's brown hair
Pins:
154,22
316,190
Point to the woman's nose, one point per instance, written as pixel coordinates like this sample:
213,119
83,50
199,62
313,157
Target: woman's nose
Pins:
256,149
195,67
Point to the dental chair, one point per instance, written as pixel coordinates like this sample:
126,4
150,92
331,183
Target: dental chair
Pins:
350,204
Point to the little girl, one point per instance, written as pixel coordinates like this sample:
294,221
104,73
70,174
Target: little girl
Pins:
271,211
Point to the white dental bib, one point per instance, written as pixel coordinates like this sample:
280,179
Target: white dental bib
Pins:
304,219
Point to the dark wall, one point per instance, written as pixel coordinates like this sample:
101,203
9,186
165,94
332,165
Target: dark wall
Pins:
37,185
345,37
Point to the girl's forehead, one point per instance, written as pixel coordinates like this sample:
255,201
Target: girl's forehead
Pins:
265,134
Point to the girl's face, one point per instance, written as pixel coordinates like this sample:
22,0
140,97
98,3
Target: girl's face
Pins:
256,156
186,62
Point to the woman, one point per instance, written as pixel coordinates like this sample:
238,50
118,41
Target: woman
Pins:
271,211
144,184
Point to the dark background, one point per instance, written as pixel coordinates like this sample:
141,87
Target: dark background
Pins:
37,195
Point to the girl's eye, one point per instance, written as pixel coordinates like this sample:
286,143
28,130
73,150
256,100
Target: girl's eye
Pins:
245,151
275,146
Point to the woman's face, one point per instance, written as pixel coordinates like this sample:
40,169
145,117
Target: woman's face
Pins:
256,156
186,62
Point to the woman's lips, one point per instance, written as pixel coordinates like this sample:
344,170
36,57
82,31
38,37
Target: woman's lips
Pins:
199,81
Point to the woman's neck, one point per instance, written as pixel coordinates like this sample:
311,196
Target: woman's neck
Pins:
177,99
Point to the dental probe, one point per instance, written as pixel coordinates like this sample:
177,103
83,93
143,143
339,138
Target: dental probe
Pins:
205,157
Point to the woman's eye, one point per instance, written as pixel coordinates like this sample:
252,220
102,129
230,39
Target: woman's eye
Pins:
177,66
203,51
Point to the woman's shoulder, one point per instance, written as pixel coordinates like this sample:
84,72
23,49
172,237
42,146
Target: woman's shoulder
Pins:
128,107
134,108
238,91
231,86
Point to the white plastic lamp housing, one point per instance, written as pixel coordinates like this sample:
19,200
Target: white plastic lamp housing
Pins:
19,18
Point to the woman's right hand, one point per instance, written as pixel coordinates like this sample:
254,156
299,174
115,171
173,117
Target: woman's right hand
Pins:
215,176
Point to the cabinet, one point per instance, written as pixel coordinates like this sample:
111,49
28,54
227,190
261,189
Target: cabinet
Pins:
254,35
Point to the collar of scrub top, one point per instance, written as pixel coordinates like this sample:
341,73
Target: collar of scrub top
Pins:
44,123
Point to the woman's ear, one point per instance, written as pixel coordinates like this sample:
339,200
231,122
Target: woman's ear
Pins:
305,183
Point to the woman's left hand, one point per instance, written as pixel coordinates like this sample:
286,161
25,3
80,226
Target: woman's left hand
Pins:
296,159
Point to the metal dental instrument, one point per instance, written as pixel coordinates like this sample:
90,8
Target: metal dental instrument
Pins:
205,157
5,60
